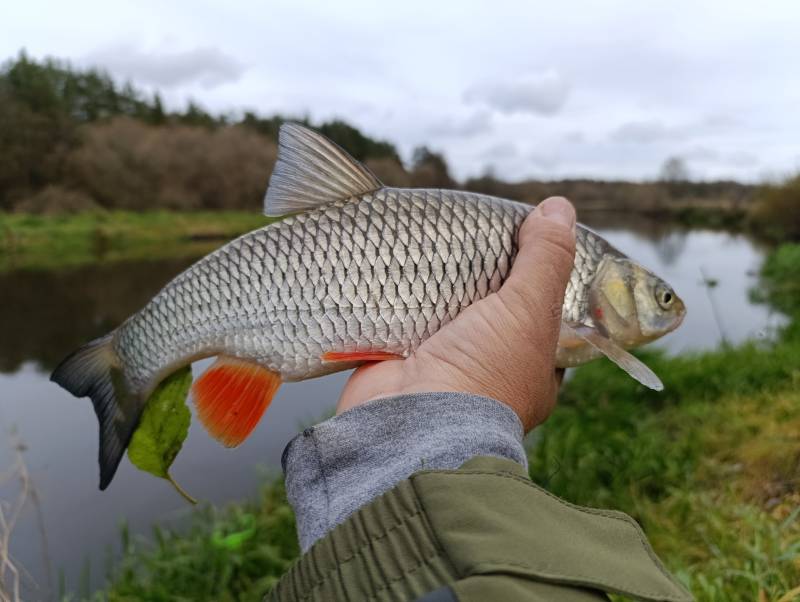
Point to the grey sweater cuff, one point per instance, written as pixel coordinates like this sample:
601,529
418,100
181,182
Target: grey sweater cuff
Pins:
337,466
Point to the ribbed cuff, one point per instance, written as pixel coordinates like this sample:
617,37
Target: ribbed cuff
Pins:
337,466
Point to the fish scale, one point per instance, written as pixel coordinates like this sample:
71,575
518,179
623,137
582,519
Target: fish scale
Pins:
460,247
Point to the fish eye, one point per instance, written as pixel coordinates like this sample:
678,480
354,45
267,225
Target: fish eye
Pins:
664,296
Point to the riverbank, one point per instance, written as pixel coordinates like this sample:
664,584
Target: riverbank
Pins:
49,242
709,468
52,242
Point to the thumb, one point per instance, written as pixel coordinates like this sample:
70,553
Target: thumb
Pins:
534,290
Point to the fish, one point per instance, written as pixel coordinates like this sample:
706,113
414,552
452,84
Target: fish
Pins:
353,272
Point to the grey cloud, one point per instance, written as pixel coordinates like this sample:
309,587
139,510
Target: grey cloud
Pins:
703,154
646,131
510,157
501,150
479,122
575,137
742,159
205,65
643,132
720,121
543,93
543,160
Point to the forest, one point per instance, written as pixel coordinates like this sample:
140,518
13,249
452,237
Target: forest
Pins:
74,139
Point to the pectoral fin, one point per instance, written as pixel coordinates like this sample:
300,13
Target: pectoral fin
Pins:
618,355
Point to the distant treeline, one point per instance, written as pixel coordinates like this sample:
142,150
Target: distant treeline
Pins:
74,139
650,197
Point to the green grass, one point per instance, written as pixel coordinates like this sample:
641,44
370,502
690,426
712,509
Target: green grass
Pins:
710,468
234,553
45,242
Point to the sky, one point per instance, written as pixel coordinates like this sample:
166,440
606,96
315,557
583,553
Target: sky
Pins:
525,89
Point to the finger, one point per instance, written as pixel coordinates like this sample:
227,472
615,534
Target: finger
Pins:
534,291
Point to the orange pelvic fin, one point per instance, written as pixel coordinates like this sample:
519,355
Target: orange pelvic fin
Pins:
359,356
231,396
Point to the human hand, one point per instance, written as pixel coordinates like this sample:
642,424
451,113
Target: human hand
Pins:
502,346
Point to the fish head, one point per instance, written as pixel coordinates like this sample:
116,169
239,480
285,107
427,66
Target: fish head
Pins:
631,304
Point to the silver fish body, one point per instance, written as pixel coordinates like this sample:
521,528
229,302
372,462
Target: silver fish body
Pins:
355,268
381,272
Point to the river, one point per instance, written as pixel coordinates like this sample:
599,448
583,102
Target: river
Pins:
45,315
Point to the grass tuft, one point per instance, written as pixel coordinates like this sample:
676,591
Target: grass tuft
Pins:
235,553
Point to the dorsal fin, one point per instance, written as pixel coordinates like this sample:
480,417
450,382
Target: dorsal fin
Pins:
312,170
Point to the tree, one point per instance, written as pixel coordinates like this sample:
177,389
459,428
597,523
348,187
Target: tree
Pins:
196,115
35,129
674,169
776,209
157,115
80,131
268,126
489,183
429,169
357,144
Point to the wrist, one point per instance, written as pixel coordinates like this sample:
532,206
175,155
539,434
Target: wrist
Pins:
341,464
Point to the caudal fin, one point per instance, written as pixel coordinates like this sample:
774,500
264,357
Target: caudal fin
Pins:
93,371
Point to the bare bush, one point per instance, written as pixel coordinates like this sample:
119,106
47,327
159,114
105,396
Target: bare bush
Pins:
430,170
776,210
390,171
12,575
127,164
53,200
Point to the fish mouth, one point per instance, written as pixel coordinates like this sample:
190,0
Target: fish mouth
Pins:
678,320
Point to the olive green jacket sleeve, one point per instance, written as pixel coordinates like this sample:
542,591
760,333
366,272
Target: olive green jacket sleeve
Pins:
481,532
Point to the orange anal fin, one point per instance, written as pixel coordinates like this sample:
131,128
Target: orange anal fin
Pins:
359,356
231,396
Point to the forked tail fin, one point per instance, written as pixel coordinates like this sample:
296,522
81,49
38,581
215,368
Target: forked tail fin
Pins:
93,371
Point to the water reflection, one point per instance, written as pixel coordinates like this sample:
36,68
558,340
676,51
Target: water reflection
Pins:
669,241
45,315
